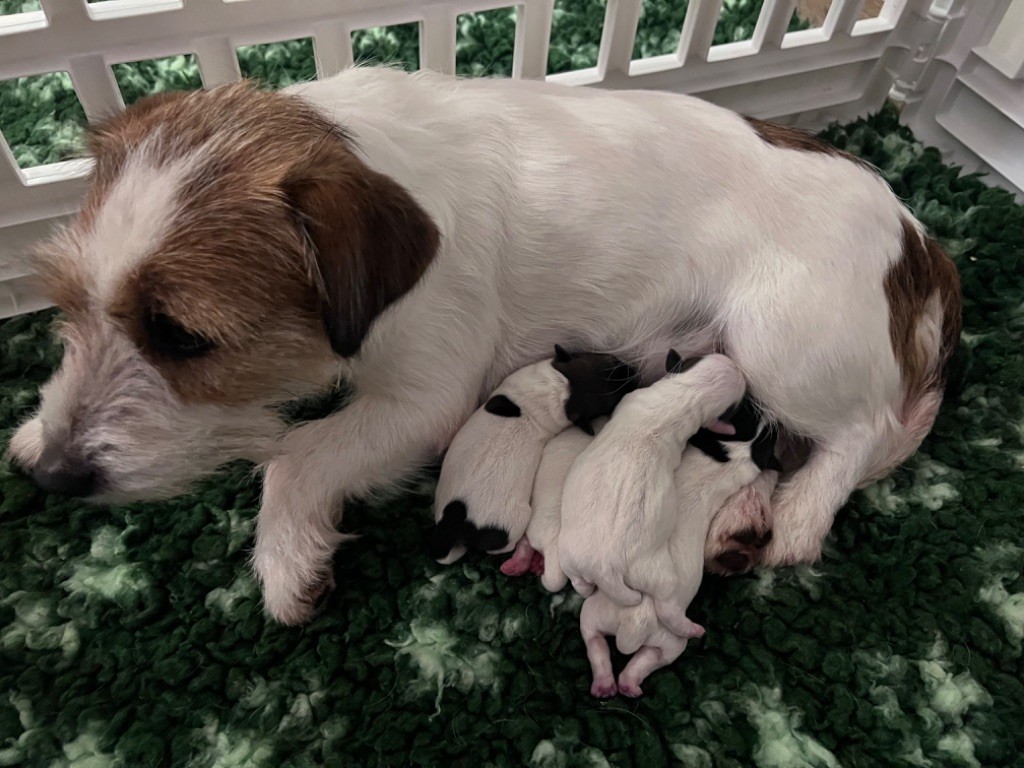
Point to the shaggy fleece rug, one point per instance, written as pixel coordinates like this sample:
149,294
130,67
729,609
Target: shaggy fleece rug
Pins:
133,637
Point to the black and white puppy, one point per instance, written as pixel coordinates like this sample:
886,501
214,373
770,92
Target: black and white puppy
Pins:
483,495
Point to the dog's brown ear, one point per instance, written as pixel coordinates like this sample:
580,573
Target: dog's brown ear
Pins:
370,241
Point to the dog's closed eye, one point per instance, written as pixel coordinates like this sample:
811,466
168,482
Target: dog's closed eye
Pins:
169,338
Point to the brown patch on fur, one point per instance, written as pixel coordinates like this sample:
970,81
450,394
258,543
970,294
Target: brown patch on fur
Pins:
110,143
784,137
369,239
285,244
60,279
922,271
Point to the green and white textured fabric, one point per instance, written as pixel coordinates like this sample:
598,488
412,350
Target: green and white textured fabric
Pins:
133,637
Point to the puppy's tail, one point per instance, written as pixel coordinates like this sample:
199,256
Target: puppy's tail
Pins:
636,626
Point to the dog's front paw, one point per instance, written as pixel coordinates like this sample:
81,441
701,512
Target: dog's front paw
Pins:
290,601
295,543
739,533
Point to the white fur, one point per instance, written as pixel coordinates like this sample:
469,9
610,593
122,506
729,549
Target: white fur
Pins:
492,461
136,214
619,505
546,503
626,221
702,485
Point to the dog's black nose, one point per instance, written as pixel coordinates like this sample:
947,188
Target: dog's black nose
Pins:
63,475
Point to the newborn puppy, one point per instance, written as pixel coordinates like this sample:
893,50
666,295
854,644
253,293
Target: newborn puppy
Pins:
619,505
483,494
558,457
711,471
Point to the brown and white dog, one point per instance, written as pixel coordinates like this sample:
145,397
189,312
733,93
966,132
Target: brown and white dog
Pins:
424,237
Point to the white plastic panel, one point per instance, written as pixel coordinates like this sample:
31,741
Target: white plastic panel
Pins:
968,98
838,71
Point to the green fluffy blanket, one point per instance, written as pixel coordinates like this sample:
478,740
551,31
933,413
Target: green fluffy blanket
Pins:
133,637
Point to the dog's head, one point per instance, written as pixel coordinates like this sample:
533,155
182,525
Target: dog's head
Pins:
231,248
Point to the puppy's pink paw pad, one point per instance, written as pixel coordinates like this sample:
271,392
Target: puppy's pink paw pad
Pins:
603,687
630,689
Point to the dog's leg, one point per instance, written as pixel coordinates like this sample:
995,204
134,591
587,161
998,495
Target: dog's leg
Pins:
372,442
804,507
741,528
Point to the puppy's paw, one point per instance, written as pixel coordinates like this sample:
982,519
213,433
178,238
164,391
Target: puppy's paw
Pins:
603,687
629,688
521,560
739,532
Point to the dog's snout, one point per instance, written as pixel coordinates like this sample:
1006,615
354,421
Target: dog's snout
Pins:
66,475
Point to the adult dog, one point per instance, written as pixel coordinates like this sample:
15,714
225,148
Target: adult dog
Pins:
425,236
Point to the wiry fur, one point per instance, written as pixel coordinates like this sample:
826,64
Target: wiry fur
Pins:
604,218
619,505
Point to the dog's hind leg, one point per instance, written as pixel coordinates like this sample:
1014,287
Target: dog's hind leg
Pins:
804,507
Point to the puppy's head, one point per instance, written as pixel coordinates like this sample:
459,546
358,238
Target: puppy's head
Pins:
230,249
596,384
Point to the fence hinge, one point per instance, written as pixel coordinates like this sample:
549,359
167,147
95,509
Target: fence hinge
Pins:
930,32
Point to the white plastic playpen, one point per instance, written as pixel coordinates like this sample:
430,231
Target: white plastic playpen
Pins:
956,67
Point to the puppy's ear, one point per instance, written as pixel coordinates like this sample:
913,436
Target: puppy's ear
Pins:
561,355
623,373
370,242
585,425
674,363
672,360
